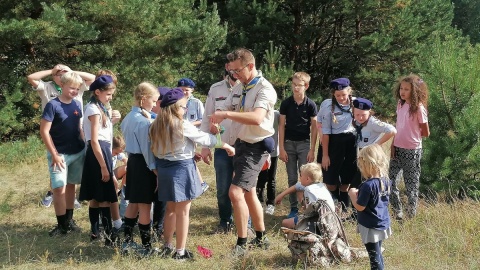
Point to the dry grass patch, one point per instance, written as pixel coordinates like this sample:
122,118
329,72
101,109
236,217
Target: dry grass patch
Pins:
442,236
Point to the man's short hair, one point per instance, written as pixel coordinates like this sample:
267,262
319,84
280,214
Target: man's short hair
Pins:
245,55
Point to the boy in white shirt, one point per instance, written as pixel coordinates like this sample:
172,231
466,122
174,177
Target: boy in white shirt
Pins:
309,189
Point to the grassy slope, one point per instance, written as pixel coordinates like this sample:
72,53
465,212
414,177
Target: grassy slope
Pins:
441,237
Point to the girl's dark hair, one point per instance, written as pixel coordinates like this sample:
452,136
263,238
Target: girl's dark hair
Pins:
419,94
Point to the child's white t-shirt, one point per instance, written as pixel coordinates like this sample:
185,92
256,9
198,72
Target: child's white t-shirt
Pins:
120,157
104,133
314,192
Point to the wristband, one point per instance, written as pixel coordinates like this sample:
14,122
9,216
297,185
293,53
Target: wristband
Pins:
219,143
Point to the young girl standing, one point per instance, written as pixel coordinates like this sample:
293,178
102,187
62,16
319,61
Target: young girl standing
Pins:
371,201
337,152
412,124
141,173
98,186
173,143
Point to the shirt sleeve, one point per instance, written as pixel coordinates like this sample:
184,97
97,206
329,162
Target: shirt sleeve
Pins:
209,110
422,114
382,127
200,110
265,99
91,109
200,137
40,86
313,108
141,135
283,107
299,187
326,116
48,112
364,194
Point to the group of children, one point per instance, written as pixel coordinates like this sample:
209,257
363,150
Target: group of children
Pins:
161,147
353,164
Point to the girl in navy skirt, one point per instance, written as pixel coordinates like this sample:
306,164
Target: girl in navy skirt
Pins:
337,152
141,173
98,186
173,143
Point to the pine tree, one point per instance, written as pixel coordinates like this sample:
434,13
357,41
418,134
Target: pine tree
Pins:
156,40
451,159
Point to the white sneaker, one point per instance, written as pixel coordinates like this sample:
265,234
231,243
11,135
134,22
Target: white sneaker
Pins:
77,204
270,209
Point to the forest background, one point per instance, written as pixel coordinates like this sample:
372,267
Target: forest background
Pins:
372,42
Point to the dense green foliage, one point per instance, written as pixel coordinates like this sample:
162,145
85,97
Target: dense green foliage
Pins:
159,41
452,153
372,42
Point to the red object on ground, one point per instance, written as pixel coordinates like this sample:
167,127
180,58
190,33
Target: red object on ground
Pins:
205,252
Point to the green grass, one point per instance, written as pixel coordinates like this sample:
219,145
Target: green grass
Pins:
442,236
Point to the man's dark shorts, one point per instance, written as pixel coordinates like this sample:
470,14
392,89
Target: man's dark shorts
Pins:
247,163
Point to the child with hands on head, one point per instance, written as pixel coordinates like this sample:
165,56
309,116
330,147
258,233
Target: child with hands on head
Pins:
371,201
406,150
173,143
61,131
98,186
309,189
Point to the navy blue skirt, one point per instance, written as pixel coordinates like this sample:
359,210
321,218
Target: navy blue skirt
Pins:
141,181
93,188
177,180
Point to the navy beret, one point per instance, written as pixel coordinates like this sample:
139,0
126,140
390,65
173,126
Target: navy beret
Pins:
362,104
340,83
186,82
269,144
163,90
101,82
171,97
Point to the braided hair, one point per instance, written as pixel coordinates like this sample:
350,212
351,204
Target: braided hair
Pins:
335,104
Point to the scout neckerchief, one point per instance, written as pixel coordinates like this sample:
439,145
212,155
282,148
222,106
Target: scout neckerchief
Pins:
247,87
59,89
358,129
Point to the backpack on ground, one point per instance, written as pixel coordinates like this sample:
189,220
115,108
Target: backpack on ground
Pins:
319,237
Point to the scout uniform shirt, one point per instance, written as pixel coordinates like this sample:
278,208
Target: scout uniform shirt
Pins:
262,95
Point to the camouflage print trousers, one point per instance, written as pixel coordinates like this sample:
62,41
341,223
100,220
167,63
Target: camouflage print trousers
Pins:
408,161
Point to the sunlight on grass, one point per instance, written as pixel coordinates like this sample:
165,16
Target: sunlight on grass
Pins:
442,236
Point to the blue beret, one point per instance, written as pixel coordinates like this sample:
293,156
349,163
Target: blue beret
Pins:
340,83
171,97
163,90
186,82
362,104
101,82
269,144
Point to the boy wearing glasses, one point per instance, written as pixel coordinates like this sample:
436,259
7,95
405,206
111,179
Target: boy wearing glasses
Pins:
250,106
297,130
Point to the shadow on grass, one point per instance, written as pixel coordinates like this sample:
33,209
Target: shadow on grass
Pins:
30,244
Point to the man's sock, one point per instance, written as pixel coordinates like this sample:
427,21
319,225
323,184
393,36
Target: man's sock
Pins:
242,241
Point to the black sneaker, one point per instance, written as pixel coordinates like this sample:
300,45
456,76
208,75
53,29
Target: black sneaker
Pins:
166,252
239,251
57,231
72,226
187,256
262,243
147,252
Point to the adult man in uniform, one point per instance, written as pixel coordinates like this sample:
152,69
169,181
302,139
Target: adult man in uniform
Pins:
250,107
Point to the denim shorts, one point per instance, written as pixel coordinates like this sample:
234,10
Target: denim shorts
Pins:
71,174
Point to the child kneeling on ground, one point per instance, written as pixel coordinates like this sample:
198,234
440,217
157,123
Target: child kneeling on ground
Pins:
309,190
